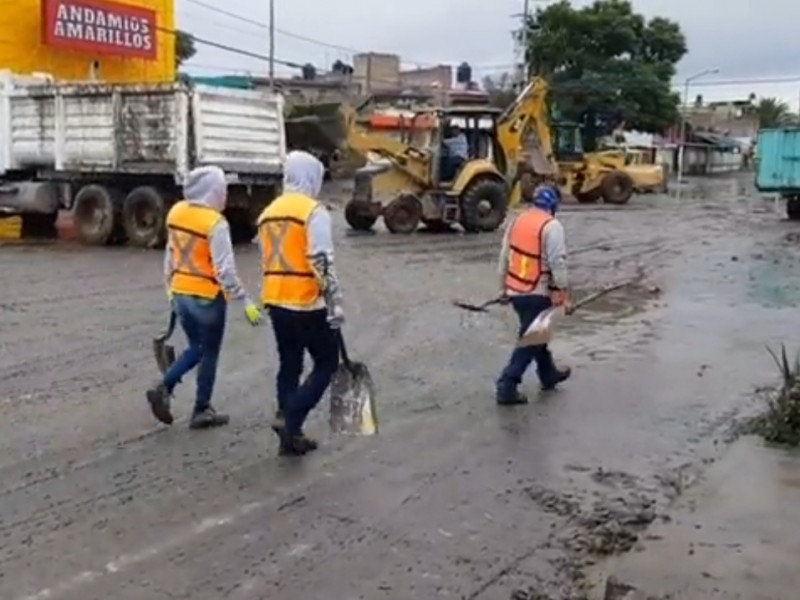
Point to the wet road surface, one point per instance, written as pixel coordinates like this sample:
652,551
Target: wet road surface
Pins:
456,498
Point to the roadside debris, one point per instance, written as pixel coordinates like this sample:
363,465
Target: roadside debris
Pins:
780,424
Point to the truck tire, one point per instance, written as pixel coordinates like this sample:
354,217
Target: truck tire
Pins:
483,205
617,188
95,213
358,215
403,214
242,225
793,208
143,216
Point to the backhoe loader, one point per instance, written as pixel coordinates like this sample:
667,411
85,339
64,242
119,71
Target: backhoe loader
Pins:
511,152
504,154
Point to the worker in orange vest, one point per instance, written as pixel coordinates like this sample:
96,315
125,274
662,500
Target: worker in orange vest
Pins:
533,270
200,276
301,291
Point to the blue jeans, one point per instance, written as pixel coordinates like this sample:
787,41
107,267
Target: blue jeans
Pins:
295,332
527,309
203,322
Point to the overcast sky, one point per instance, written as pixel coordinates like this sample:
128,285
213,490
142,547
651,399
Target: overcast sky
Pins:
745,40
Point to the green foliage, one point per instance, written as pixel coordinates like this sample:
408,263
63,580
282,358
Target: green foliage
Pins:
607,64
184,47
780,424
773,112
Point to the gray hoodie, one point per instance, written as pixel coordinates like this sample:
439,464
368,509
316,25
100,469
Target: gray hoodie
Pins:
303,174
206,186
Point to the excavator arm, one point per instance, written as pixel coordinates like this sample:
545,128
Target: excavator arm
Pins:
523,130
412,162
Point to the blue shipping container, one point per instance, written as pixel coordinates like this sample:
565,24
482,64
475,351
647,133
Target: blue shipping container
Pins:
778,161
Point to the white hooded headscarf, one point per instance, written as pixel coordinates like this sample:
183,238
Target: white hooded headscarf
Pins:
303,174
206,186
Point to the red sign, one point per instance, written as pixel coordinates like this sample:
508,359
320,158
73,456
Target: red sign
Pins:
100,27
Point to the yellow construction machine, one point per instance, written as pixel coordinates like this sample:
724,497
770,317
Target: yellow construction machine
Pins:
409,169
510,152
611,175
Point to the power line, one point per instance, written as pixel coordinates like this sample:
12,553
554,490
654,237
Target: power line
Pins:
284,32
594,82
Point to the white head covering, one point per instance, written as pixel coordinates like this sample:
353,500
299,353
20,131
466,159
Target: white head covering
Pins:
207,186
303,174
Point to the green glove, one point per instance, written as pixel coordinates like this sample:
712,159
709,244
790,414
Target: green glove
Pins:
170,295
252,313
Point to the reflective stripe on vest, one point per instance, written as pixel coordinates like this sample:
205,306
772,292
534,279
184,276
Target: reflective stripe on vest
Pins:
188,228
525,264
289,278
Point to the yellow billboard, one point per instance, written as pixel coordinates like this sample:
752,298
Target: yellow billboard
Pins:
126,41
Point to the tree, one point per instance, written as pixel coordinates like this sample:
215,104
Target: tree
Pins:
607,64
500,89
773,112
184,47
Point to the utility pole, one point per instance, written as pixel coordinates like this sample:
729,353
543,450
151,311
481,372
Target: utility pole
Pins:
684,110
523,74
272,45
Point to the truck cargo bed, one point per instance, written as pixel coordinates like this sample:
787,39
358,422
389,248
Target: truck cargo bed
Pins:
778,160
138,129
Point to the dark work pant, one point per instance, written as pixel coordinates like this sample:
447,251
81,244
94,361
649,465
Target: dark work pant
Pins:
450,165
203,322
295,332
527,309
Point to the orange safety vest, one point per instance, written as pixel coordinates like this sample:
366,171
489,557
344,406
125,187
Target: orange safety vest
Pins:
289,278
188,228
525,264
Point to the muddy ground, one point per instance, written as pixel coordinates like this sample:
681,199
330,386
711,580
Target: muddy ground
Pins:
455,498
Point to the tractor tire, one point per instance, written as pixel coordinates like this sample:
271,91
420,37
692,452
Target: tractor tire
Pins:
403,214
617,188
358,216
95,215
483,205
589,197
793,208
143,217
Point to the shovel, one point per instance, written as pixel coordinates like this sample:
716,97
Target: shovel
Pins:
352,397
164,353
541,330
481,308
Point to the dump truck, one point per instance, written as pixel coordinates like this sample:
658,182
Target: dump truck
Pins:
778,166
115,155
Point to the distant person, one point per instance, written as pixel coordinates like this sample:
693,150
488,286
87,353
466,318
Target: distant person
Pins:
456,153
533,271
301,291
200,273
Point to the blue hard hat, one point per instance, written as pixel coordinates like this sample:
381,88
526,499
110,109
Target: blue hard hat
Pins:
547,198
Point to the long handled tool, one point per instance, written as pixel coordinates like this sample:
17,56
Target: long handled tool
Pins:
352,397
164,353
478,307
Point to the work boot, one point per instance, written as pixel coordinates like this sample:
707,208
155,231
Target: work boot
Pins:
159,399
515,399
207,419
296,445
561,375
